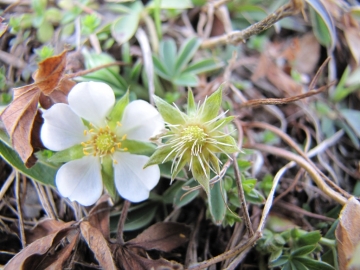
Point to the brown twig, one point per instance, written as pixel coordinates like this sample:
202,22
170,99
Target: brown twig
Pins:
236,37
120,228
87,71
281,101
241,195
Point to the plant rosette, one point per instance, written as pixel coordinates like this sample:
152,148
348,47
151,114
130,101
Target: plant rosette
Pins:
195,138
102,143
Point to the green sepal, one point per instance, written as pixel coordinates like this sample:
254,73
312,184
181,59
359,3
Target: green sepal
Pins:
170,114
214,161
217,203
117,112
181,165
72,153
107,173
191,105
138,147
230,146
159,156
200,176
222,122
210,108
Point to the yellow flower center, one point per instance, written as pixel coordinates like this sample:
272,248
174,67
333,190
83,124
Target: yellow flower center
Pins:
194,137
103,142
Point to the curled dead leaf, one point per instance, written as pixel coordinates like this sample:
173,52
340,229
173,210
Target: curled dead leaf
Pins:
98,244
347,233
50,86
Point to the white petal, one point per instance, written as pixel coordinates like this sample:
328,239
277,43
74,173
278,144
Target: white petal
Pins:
62,128
141,121
80,180
92,101
131,180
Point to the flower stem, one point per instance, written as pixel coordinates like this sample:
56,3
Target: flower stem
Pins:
120,229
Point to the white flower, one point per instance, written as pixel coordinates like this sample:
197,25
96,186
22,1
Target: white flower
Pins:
85,122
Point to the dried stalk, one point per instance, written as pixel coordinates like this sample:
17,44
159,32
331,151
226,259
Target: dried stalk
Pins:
120,229
19,212
236,37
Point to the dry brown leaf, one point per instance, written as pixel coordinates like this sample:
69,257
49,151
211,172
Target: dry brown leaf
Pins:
129,259
348,233
99,216
35,254
164,236
98,244
352,36
50,86
46,227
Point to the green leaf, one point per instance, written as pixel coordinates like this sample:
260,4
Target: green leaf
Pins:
179,166
298,265
191,105
140,217
170,114
168,55
310,238
303,251
169,195
280,261
211,106
180,200
187,51
41,171
217,203
314,264
126,25
323,26
186,79
203,66
160,69
107,173
352,117
173,4
108,75
45,32
117,112
74,152
138,147
275,255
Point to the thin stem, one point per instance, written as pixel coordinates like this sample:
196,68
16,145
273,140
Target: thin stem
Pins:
242,198
120,229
